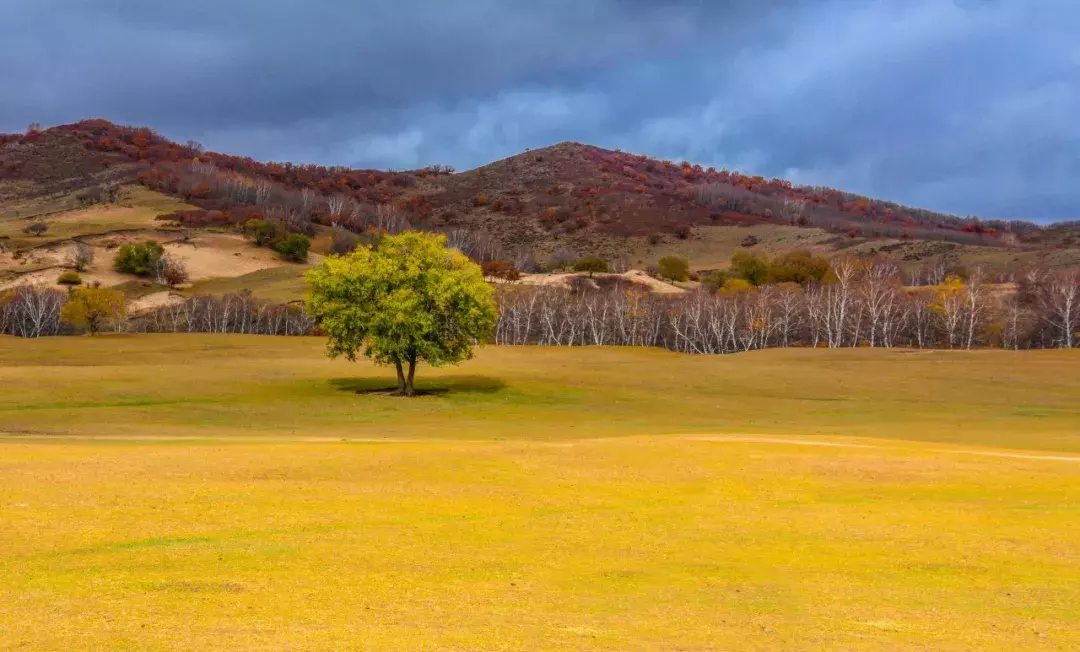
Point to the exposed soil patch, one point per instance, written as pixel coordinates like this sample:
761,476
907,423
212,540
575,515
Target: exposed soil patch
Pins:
633,276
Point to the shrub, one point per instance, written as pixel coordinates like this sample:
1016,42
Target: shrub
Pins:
500,269
561,258
749,267
90,196
141,259
81,256
735,286
403,180
683,231
69,278
674,268
262,233
173,272
715,280
342,241
591,264
294,248
526,262
198,217
36,229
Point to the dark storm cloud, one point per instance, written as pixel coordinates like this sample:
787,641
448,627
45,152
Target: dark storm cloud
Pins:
968,106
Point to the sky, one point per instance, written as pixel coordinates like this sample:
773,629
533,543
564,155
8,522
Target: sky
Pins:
965,106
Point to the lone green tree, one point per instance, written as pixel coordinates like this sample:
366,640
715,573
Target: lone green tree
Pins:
409,300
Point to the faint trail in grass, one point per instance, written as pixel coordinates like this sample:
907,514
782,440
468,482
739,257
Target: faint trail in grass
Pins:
93,405
833,444
733,439
770,440
1018,456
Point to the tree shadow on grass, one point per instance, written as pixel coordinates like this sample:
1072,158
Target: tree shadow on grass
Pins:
430,387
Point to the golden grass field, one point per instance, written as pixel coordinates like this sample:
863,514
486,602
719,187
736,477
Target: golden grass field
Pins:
225,492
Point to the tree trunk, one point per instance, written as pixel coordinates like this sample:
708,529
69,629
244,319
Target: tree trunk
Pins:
400,377
409,390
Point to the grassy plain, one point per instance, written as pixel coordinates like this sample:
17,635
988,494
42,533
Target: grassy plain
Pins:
163,492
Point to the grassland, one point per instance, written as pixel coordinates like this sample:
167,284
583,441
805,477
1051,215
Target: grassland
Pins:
137,208
711,247
278,284
163,492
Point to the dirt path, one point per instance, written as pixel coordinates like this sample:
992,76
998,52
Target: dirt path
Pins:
563,279
810,442
730,439
770,440
1016,456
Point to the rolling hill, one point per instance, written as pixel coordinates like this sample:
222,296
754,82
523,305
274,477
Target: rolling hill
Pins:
94,179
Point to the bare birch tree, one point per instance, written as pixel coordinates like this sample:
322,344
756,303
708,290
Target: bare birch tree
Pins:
1059,300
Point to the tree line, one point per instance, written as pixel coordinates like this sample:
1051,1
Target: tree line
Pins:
861,303
39,311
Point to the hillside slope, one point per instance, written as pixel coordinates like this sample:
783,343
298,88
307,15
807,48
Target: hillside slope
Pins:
542,206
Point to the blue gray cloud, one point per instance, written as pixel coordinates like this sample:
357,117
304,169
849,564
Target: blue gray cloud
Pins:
968,106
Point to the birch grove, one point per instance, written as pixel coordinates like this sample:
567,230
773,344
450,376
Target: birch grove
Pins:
866,304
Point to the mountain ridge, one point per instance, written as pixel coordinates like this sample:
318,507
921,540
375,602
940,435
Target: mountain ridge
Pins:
567,194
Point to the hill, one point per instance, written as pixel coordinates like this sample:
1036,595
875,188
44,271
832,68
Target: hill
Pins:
539,209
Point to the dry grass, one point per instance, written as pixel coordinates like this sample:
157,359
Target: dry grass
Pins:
614,544
281,284
549,499
137,209
711,247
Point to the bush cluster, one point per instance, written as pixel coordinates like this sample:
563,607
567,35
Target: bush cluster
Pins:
290,246
294,247
141,259
69,278
592,265
799,267
501,269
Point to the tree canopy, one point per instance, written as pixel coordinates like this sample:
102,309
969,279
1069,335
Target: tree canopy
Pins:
138,258
591,264
409,300
94,308
674,268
